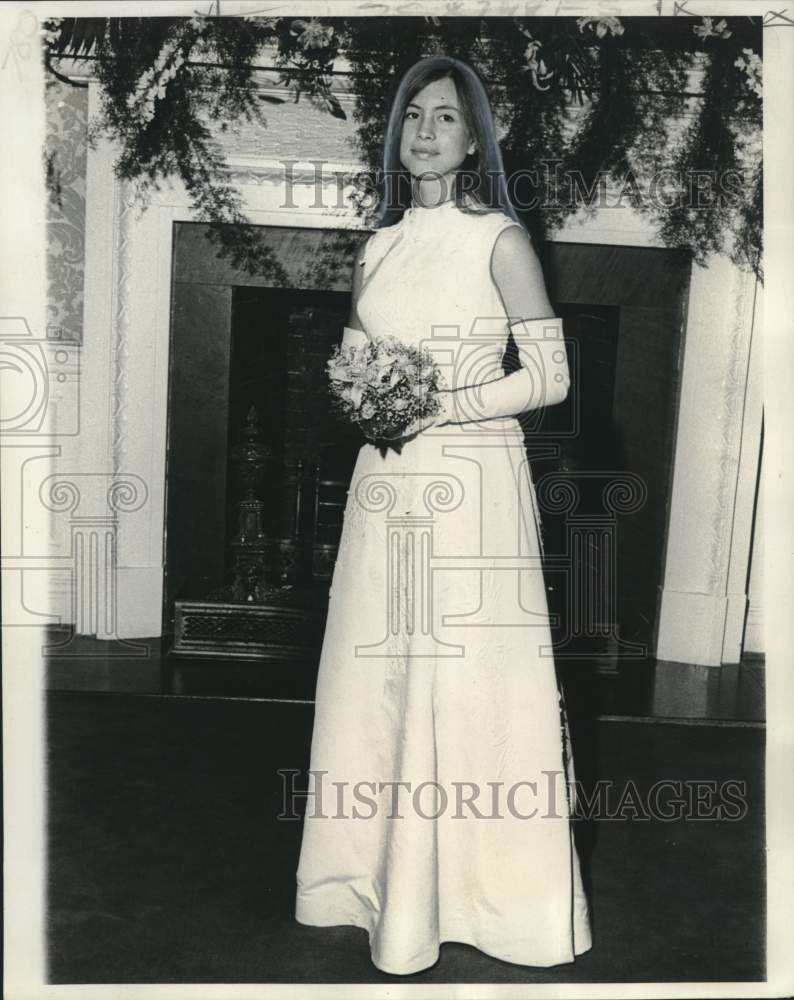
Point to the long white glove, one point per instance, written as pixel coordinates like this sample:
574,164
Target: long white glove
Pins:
542,380
353,338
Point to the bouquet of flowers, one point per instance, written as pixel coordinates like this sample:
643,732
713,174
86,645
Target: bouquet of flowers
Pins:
384,385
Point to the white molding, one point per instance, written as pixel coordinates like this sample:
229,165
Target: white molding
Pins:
264,165
120,331
95,419
754,636
745,490
710,521
626,228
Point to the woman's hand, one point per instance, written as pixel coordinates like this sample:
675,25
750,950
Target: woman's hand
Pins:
413,428
423,423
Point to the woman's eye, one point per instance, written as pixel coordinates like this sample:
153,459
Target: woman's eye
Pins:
444,116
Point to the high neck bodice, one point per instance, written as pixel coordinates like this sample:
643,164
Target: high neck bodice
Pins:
431,271
444,206
427,218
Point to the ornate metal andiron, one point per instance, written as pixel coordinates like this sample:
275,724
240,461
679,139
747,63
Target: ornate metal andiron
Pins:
251,618
250,459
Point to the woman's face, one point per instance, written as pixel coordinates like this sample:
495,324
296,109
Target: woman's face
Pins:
435,140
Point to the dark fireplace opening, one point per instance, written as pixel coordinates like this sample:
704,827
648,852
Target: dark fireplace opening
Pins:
587,453
257,379
280,341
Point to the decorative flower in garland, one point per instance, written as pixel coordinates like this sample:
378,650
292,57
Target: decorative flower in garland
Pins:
535,64
601,25
710,30
752,65
312,34
152,84
50,31
537,67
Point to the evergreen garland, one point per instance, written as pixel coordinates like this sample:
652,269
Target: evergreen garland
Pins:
169,83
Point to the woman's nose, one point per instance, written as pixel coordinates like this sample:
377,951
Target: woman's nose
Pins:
426,130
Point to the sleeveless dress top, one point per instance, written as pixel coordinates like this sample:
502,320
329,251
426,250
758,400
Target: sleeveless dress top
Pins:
427,280
440,782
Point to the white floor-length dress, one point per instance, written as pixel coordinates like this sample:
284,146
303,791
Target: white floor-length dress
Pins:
435,670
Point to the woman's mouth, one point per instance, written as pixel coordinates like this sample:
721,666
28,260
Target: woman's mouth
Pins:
423,154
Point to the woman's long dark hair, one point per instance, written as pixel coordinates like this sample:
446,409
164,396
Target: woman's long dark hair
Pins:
480,183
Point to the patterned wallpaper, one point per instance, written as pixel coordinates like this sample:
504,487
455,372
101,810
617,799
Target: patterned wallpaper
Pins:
66,117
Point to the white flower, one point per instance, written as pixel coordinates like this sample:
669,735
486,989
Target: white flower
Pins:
708,29
752,65
51,30
140,191
313,33
601,25
536,66
260,22
152,84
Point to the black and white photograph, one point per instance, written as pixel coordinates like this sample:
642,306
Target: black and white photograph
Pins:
397,490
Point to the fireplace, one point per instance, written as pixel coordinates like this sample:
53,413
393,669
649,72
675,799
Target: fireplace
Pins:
243,344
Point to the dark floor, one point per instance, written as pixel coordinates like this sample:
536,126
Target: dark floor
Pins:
167,862
634,689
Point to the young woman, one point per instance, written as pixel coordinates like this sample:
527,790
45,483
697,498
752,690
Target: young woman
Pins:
439,805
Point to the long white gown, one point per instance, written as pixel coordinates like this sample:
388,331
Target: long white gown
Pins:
436,669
